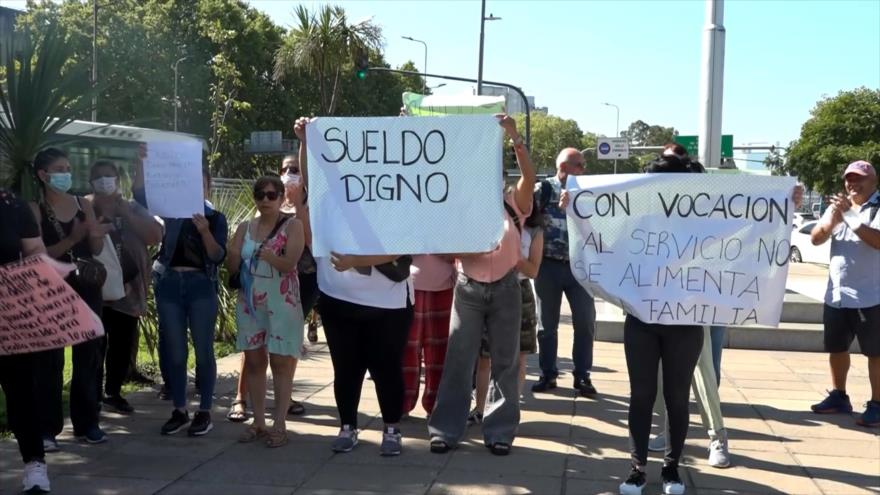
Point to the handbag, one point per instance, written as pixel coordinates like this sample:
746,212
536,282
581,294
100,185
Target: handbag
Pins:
397,270
114,286
89,273
234,280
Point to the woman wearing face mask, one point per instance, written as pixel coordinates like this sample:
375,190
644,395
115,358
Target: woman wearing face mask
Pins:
264,253
294,204
132,230
71,232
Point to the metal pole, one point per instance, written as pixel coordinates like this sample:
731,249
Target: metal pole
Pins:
176,102
94,60
712,84
616,128
425,79
465,79
480,67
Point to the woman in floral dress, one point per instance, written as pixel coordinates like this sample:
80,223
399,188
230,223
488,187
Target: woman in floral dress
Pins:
264,253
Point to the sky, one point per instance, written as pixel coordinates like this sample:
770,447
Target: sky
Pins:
644,56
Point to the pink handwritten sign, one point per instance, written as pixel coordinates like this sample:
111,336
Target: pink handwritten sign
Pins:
39,311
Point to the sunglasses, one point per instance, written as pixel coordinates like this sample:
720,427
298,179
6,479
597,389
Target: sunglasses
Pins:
270,195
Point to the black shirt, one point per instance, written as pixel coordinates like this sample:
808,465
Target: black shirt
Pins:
17,222
190,249
81,249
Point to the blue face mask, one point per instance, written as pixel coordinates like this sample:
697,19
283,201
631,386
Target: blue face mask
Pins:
61,181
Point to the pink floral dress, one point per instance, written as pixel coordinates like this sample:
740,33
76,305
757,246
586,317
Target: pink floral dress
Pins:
274,318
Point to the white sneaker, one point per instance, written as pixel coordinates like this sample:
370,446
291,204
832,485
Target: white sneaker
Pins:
719,455
36,477
658,443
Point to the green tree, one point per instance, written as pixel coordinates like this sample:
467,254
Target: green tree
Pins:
842,129
641,133
322,43
549,135
37,98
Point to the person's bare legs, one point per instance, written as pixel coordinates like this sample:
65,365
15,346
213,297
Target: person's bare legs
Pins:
256,362
292,373
282,379
874,377
839,369
484,372
241,389
522,371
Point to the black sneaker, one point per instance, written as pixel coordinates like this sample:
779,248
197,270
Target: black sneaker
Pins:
585,387
635,483
118,404
201,424
164,392
544,384
672,484
178,420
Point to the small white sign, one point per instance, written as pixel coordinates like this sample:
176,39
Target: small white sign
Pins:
173,179
612,149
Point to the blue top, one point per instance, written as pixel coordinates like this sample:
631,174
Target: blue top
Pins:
555,224
854,272
171,236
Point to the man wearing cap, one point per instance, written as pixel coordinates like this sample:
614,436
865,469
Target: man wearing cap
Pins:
852,300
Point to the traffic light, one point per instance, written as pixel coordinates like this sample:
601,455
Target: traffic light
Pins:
361,65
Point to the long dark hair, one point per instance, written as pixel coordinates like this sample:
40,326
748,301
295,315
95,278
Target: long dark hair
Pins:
43,159
536,219
674,159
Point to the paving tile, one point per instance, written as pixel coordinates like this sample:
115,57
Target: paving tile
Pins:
98,485
389,479
756,473
528,457
207,488
247,471
457,482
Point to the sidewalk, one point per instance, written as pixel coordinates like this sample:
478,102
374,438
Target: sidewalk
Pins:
566,446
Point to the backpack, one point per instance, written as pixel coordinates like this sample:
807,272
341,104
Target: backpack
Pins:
546,194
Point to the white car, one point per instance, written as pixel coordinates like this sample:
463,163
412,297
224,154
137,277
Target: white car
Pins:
801,219
803,250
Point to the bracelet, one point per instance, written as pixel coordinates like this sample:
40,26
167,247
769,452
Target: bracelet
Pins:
852,220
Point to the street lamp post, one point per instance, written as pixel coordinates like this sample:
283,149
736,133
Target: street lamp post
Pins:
616,128
176,102
94,60
425,69
483,20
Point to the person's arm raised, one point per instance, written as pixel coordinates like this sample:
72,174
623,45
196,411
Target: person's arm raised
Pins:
525,186
299,129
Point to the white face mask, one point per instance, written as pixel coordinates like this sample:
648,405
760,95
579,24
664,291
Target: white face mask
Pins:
104,185
291,179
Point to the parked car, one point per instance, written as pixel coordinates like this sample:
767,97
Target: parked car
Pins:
803,250
800,219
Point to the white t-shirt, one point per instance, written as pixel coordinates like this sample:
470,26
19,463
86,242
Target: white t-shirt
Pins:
525,247
374,290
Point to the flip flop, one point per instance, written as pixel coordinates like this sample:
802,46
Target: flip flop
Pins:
296,408
238,415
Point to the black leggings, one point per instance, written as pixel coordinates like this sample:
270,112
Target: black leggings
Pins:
121,337
676,348
22,410
364,338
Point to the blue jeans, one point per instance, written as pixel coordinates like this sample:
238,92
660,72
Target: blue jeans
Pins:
717,334
187,300
554,279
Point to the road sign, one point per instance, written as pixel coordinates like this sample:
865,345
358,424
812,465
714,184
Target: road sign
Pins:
612,149
692,145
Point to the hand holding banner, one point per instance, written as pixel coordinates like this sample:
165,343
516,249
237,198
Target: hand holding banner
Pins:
683,249
39,311
398,185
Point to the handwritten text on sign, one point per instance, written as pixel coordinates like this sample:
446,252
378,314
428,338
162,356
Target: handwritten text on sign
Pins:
687,249
173,179
39,311
402,185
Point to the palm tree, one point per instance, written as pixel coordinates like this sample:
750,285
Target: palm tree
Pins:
37,98
320,44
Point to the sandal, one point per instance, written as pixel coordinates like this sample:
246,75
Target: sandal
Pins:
276,438
439,446
296,408
253,433
238,414
499,448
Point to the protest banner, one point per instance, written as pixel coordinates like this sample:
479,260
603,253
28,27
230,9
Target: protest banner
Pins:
684,249
173,179
39,311
402,185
